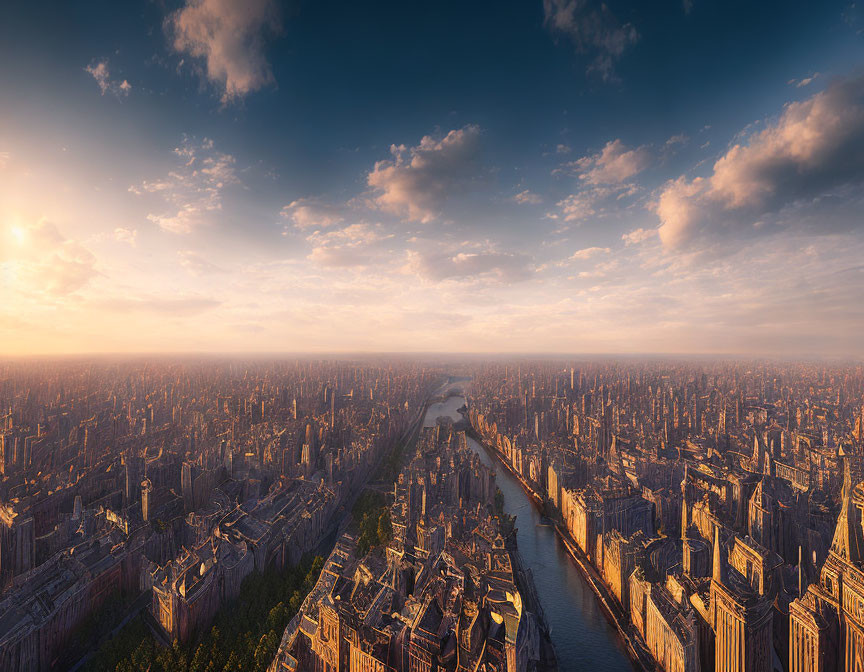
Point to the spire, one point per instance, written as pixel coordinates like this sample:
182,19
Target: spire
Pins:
717,569
800,574
848,542
685,524
757,455
614,460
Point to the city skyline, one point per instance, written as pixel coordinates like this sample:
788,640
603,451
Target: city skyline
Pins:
415,514
546,176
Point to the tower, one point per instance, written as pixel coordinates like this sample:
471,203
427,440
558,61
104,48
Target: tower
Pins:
146,489
742,620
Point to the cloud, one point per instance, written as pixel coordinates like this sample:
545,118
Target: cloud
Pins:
346,247
196,264
42,259
527,197
638,236
813,151
230,37
593,201
5,158
193,190
310,214
577,207
128,236
679,139
805,81
594,30
615,163
416,183
501,267
100,71
602,270
589,252
339,256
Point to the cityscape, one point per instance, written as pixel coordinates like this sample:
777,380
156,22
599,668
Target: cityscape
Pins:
516,336
377,513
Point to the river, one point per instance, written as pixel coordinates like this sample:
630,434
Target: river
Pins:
583,638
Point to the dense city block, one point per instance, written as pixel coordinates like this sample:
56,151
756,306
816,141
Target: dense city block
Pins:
712,508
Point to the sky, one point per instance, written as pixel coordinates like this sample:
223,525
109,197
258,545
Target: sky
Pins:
532,176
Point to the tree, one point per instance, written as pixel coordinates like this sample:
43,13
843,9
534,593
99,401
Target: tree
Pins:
244,636
385,529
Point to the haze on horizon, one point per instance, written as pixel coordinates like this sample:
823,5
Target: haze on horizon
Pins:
543,176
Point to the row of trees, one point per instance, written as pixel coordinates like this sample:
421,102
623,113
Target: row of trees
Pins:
244,636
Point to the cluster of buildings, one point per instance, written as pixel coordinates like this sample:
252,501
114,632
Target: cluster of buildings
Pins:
719,504
160,485
447,593
717,507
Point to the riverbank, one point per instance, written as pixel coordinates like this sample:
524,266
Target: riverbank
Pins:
614,614
525,584
447,406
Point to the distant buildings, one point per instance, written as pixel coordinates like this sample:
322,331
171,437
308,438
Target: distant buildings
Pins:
177,480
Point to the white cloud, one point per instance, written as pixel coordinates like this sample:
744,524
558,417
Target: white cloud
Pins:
592,201
346,247
193,190
230,37
602,270
100,71
594,29
577,207
501,267
816,146
589,252
678,210
128,236
42,259
805,81
310,214
615,163
416,183
527,197
638,236
679,139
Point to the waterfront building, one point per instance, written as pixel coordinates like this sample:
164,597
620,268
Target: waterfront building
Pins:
671,630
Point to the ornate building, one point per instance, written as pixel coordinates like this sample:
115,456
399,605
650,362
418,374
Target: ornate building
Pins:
742,620
827,622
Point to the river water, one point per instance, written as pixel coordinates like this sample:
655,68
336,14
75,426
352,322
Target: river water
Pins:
584,641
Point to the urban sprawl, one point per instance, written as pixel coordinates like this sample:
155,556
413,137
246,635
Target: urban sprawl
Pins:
713,508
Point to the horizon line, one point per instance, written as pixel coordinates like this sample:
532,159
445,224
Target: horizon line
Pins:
309,354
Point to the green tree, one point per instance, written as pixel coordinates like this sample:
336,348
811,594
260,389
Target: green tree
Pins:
244,635
385,529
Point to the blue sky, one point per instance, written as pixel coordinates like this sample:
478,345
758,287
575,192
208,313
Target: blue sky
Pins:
565,176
